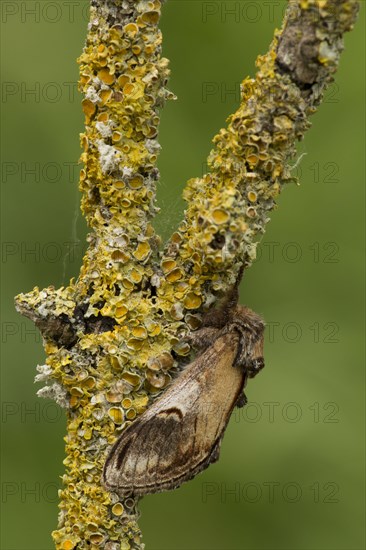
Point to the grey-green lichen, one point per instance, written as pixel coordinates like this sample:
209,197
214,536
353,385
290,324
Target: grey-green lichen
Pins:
113,336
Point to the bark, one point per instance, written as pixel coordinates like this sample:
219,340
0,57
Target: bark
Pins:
113,337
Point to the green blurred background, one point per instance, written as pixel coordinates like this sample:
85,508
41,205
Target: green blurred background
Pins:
291,472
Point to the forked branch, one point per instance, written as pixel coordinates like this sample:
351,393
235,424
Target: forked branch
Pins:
113,337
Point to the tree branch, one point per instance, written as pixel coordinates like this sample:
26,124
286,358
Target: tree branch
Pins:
113,337
228,207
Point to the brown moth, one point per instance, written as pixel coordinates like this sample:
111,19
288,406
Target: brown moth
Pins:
180,434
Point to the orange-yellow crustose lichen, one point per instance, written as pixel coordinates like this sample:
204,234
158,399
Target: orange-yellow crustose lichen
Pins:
101,376
228,207
113,337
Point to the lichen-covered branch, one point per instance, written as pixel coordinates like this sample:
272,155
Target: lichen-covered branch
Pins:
228,207
113,336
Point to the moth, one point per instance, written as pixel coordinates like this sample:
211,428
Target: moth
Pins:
181,433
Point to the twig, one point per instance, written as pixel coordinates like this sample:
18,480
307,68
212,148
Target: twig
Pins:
113,337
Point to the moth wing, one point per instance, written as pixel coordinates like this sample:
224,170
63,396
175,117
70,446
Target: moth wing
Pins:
180,434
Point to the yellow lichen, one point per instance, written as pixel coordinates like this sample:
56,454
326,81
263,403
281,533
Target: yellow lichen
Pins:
131,300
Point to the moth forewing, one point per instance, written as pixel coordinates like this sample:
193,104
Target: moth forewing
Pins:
180,434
